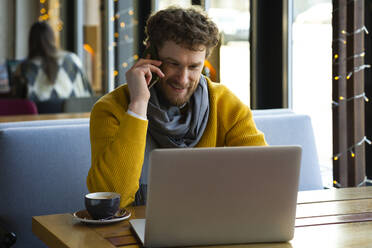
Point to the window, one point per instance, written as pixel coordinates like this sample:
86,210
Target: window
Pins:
233,21
312,73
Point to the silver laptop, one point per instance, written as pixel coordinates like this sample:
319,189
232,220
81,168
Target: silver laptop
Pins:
227,195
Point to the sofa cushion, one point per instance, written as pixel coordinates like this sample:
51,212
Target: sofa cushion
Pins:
43,171
294,129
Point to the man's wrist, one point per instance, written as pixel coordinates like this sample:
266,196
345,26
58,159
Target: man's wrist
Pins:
139,108
136,115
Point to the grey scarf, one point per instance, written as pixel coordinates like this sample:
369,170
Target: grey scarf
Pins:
169,128
172,129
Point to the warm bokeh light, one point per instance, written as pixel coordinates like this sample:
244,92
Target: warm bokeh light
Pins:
88,48
44,17
59,27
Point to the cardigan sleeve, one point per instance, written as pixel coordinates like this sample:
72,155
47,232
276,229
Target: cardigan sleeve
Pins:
118,143
244,132
237,120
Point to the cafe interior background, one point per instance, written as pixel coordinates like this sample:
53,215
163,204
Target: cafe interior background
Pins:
272,54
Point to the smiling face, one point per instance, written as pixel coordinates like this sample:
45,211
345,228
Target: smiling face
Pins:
182,68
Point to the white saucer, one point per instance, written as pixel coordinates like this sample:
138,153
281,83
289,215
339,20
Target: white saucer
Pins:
84,217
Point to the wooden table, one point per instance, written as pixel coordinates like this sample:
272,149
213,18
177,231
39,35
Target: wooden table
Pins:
325,218
13,118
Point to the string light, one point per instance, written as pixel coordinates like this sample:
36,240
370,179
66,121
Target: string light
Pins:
50,12
364,182
351,149
122,37
127,10
336,184
363,95
124,41
60,26
355,70
359,30
359,55
342,38
344,33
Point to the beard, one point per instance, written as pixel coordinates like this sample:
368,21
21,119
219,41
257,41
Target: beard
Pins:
172,98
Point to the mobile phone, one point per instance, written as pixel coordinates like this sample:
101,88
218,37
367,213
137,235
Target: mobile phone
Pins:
153,55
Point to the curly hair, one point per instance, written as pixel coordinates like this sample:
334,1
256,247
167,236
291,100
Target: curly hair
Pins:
189,28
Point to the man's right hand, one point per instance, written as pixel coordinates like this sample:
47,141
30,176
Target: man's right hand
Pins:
138,78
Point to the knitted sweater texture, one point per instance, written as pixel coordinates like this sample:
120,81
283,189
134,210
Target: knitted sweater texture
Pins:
118,139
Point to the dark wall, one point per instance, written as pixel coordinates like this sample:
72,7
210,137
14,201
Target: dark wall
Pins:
144,11
267,33
67,33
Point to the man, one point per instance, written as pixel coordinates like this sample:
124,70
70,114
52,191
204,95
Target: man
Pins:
184,109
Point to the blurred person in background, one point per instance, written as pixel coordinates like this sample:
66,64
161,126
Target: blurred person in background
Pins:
48,72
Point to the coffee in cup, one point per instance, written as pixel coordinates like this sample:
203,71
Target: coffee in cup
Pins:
102,205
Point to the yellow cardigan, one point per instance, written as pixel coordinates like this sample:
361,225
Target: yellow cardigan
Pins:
118,139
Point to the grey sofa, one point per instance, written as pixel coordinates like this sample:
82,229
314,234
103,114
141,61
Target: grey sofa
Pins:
44,164
42,171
